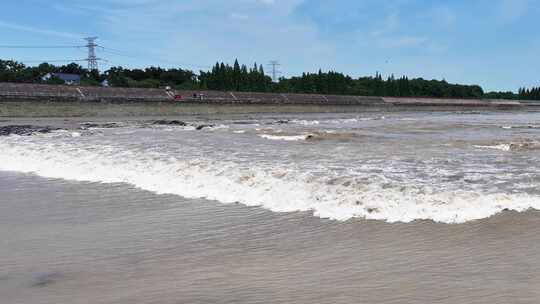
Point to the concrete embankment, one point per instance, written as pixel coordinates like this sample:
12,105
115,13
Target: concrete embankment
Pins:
32,100
15,91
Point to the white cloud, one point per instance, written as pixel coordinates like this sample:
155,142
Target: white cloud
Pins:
202,32
36,30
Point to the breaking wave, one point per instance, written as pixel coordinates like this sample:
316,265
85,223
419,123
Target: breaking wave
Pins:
525,145
284,137
336,121
280,189
312,136
521,127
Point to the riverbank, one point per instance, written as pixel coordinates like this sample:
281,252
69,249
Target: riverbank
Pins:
38,93
85,109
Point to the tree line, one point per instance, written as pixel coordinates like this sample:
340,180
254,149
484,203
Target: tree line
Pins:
338,83
523,94
224,77
239,77
529,94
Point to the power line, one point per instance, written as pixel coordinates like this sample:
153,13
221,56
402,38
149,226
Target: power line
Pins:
111,49
124,54
92,58
91,45
55,60
40,46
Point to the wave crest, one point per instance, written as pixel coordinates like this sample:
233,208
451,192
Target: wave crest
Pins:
277,189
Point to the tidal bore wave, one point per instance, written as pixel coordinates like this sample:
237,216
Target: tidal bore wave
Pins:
278,188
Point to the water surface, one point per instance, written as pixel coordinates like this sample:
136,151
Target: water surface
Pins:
313,208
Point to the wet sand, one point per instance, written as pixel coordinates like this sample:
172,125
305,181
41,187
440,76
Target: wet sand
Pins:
69,242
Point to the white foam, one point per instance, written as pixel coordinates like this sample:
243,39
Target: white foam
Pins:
521,127
219,127
523,145
306,122
339,121
277,189
284,137
502,147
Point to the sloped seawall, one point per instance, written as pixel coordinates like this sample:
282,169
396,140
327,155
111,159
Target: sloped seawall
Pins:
10,92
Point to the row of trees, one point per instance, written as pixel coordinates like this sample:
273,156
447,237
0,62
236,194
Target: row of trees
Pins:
523,94
529,94
13,71
153,77
338,83
241,78
224,77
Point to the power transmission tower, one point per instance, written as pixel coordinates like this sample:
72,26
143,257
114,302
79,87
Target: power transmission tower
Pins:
274,64
92,59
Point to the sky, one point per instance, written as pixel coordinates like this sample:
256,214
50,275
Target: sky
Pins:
493,43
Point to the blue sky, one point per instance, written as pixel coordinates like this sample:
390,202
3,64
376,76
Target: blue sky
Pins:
494,43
